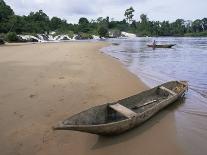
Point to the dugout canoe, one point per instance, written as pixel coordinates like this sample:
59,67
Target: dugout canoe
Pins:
118,117
162,46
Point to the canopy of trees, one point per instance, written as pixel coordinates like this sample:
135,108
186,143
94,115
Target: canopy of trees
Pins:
129,14
39,22
103,31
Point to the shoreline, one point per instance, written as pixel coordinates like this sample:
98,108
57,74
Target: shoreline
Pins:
42,84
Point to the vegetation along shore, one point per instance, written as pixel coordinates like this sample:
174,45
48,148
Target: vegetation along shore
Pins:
38,26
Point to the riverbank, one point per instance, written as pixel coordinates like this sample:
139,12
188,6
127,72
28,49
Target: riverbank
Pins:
42,84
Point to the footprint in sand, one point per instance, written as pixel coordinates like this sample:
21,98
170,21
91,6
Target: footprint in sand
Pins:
61,78
49,113
61,100
32,95
46,136
18,114
53,85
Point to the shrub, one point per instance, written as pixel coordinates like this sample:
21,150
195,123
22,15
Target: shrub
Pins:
84,36
70,34
114,33
196,34
103,31
11,37
1,41
2,36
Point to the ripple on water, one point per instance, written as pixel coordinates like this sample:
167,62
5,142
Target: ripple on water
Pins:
185,61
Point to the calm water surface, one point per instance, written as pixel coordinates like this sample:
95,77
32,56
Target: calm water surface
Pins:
185,61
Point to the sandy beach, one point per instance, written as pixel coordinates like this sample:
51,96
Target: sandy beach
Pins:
41,84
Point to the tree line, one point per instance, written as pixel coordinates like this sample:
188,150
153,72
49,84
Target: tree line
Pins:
39,22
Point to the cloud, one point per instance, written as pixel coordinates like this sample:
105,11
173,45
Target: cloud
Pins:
72,10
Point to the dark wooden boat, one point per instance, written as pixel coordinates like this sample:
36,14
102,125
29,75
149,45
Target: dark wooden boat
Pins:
162,46
115,44
115,118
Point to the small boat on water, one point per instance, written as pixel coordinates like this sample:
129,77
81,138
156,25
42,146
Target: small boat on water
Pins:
115,44
162,46
118,117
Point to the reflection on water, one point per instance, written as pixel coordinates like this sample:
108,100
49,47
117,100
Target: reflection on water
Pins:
185,61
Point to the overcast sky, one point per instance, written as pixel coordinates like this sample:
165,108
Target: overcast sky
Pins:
72,10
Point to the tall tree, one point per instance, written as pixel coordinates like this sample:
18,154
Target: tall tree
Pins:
144,18
55,23
5,14
38,22
178,27
204,23
83,25
144,25
129,14
197,25
103,31
83,21
5,11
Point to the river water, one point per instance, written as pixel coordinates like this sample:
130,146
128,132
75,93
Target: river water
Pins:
185,61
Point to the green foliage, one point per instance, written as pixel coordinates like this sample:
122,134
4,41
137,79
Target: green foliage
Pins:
156,28
11,37
197,25
55,23
5,14
83,21
69,33
120,25
83,25
114,33
204,23
39,22
144,18
103,31
103,21
1,41
198,34
84,36
2,37
5,11
129,14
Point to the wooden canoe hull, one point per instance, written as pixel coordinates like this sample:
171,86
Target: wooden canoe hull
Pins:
161,46
118,127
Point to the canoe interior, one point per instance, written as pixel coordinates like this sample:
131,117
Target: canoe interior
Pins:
104,114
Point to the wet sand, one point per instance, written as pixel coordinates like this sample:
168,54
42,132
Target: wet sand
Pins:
41,84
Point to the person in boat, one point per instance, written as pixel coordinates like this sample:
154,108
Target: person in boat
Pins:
154,44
